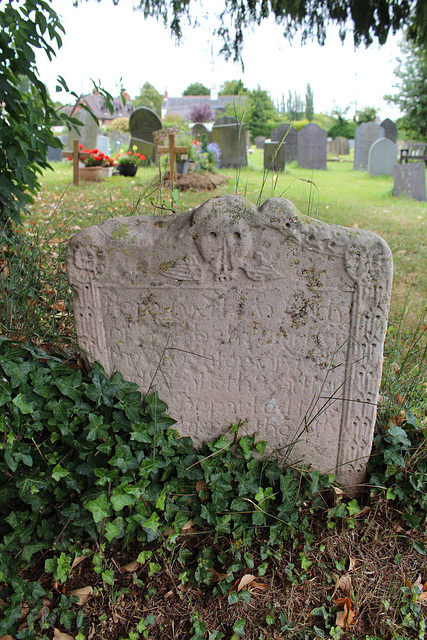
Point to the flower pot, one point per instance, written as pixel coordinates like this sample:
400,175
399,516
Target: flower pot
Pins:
182,166
90,174
127,169
106,172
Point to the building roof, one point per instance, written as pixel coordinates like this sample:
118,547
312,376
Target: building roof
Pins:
97,105
183,106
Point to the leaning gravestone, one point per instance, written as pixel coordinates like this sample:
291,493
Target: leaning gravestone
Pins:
289,135
382,157
364,137
230,136
390,129
87,133
143,122
410,180
312,147
242,313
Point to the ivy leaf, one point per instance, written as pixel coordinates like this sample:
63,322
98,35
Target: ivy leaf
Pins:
24,406
99,508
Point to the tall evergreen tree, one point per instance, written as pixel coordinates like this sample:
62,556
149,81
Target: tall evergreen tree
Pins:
309,104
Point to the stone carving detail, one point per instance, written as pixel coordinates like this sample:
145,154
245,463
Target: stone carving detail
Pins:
238,312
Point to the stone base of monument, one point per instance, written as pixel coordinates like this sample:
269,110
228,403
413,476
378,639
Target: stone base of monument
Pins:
242,314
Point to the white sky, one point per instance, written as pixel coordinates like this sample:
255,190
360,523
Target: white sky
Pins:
114,44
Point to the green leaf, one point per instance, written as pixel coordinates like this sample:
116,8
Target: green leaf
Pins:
59,472
111,531
239,627
121,500
99,507
24,406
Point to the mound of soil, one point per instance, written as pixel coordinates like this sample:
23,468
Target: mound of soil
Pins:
196,181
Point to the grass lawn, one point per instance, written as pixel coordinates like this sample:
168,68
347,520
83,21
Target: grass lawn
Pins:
112,527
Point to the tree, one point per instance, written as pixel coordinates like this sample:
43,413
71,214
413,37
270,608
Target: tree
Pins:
369,19
411,96
309,104
295,106
27,113
149,97
367,114
196,89
232,88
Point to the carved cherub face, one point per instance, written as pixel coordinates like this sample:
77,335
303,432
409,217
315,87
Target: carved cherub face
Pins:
224,242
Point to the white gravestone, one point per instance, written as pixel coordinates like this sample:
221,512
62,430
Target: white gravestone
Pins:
242,313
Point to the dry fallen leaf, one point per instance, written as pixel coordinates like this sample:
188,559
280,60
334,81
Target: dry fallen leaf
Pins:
352,564
344,584
188,525
345,615
338,491
77,560
247,579
201,485
7,638
356,225
83,594
400,399
59,635
131,567
218,577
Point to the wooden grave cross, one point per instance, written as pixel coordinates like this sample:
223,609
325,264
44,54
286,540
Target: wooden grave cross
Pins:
76,155
172,150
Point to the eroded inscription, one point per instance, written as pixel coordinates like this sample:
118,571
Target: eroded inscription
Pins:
238,313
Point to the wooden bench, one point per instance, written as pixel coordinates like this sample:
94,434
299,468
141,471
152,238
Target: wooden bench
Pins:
414,151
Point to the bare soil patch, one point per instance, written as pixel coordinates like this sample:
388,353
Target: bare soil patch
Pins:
196,181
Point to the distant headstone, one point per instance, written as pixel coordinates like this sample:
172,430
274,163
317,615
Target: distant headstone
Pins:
242,313
199,129
339,146
274,156
143,122
290,137
54,154
410,180
312,146
364,137
231,139
259,142
87,133
390,129
225,120
103,144
382,157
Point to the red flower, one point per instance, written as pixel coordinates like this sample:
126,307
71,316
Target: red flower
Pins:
94,151
80,146
86,151
130,153
69,158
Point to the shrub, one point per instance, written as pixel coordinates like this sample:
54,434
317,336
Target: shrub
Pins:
201,113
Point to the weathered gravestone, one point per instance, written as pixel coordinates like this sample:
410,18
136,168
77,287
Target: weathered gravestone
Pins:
339,146
410,180
230,136
289,135
238,312
274,156
87,133
199,129
382,157
390,129
312,147
364,137
259,142
143,122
